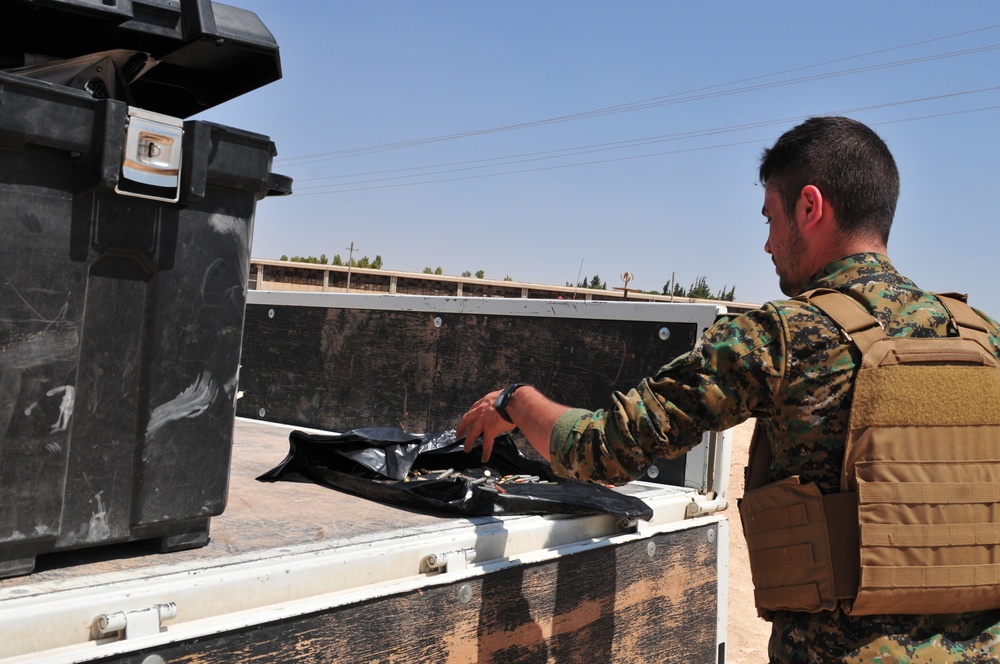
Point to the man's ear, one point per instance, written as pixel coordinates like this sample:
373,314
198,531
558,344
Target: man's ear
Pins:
810,208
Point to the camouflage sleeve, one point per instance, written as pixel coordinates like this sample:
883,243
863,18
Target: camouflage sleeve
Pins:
733,373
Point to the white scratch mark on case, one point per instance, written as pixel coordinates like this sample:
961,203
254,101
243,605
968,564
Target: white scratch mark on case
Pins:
190,403
65,406
98,530
225,224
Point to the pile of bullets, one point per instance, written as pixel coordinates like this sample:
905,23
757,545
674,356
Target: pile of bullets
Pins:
484,478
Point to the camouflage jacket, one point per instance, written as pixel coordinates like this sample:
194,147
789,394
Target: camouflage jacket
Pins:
786,365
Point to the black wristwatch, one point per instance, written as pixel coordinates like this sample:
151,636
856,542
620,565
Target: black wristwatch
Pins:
501,403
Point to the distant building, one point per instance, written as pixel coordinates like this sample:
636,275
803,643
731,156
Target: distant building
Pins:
287,275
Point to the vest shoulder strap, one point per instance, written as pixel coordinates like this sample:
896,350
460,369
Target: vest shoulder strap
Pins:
854,321
968,323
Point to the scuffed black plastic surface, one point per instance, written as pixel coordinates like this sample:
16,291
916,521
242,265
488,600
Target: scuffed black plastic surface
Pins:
121,321
373,463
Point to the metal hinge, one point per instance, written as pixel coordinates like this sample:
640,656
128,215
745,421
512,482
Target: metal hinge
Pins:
133,624
151,163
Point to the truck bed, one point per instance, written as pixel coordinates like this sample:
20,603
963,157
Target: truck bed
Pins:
290,554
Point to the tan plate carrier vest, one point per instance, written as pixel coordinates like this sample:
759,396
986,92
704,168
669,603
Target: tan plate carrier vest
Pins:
916,527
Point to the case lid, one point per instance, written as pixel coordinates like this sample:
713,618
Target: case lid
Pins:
202,53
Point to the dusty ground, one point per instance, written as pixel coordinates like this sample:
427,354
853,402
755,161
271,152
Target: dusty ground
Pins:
747,638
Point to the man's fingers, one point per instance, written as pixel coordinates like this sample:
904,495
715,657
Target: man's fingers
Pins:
487,449
481,420
470,437
463,427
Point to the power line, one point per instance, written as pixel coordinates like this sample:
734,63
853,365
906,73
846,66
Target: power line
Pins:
675,98
494,162
353,185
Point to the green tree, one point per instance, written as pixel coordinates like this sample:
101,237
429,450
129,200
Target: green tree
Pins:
364,262
438,270
427,270
592,282
700,289
480,274
466,274
678,290
337,260
377,263
284,257
726,295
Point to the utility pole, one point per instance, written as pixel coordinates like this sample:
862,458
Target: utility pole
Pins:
350,261
672,276
627,277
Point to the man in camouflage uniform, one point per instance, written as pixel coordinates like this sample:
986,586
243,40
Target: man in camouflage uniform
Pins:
831,187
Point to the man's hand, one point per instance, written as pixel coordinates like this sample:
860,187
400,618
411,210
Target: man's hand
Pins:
483,419
534,413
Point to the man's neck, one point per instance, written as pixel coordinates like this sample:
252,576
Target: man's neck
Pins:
851,246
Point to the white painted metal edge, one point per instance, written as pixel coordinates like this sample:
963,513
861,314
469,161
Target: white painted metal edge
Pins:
666,312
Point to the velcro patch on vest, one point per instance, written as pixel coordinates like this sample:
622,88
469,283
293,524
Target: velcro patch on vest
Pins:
925,396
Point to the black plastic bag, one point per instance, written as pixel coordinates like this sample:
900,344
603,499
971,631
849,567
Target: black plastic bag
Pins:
432,473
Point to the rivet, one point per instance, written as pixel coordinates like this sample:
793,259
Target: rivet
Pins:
653,472
651,548
465,593
270,313
438,322
711,535
154,659
262,412
664,333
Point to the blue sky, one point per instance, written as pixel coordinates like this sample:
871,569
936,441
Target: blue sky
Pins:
552,140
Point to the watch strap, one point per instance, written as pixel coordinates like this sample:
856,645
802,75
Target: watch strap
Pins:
500,405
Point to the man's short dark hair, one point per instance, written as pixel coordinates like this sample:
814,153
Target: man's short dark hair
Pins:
850,165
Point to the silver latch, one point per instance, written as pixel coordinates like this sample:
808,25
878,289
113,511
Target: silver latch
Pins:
133,624
151,165
448,561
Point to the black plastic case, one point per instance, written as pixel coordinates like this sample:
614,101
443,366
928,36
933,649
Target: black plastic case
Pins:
125,249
